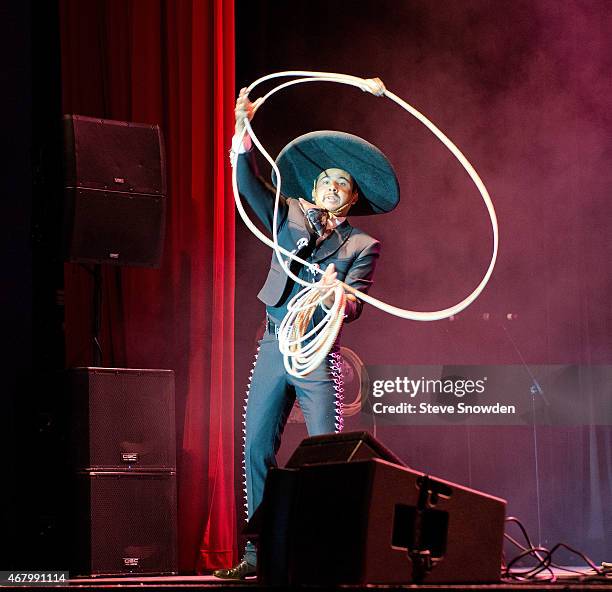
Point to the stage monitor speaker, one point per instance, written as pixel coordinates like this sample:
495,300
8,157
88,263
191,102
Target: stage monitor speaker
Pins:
374,522
124,523
115,192
342,447
123,419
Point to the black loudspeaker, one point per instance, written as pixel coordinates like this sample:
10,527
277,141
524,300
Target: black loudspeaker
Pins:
323,449
374,522
123,510
125,523
123,419
115,192
342,447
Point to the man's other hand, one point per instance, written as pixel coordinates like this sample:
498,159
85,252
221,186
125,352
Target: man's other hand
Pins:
330,275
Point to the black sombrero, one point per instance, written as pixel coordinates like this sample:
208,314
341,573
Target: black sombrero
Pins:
302,160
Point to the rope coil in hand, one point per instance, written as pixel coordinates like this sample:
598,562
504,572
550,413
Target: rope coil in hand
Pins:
304,350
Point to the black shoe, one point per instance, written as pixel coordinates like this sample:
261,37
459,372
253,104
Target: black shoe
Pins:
240,572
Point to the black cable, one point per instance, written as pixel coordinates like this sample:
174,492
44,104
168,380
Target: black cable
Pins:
544,556
530,550
544,563
523,529
584,557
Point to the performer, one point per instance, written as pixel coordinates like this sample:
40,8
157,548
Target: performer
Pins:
336,172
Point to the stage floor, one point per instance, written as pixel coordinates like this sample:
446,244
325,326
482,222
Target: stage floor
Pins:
565,581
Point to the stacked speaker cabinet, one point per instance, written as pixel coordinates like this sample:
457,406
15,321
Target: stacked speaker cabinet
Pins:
115,192
124,457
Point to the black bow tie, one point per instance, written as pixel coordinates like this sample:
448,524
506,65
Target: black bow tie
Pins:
316,221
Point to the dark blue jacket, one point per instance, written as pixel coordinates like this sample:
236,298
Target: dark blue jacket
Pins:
353,252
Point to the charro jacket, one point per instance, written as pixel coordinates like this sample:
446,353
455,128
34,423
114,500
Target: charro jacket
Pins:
353,252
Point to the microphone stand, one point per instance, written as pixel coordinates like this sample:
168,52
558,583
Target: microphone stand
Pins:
535,390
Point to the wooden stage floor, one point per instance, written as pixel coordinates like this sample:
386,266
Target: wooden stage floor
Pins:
564,581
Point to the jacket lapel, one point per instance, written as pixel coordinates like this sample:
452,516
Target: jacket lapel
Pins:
333,242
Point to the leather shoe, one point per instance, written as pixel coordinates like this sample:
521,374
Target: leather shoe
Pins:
240,572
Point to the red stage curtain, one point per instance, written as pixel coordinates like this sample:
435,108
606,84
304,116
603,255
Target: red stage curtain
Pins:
170,63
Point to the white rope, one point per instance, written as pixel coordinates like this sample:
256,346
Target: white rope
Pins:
297,356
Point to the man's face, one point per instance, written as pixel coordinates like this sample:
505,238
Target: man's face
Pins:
334,188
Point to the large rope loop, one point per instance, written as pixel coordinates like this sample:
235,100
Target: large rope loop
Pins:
303,350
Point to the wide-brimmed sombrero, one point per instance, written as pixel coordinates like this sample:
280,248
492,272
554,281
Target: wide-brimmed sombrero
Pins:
302,160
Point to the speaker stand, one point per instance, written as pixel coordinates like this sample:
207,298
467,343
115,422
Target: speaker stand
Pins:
97,315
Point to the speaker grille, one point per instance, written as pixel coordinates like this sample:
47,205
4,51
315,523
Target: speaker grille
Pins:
115,227
124,418
111,154
127,524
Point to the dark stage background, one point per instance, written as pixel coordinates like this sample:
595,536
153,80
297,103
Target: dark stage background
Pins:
523,88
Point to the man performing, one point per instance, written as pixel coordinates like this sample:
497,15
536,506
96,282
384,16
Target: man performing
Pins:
338,172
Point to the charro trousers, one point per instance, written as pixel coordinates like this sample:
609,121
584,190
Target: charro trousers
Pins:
270,397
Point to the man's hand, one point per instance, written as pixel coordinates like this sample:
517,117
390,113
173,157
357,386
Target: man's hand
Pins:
376,86
244,108
330,275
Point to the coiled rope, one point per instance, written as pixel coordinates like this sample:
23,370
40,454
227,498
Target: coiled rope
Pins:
304,350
